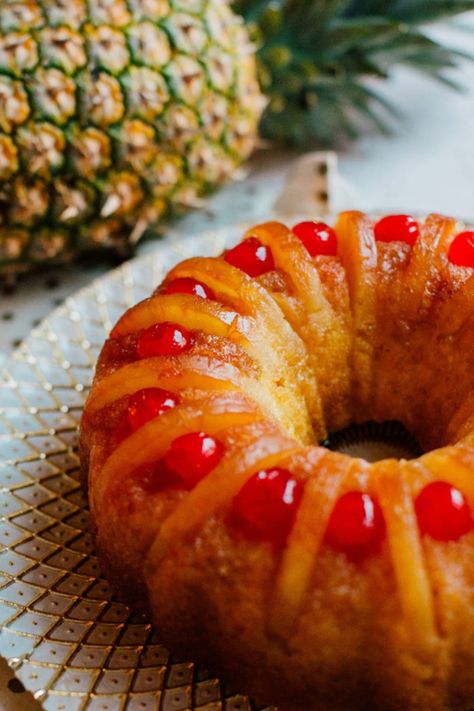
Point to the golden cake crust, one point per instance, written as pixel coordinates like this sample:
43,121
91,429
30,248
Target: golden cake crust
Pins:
379,331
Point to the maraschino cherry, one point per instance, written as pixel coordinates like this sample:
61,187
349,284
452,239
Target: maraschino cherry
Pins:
188,285
193,456
147,404
356,524
317,237
443,512
251,257
266,505
397,228
164,339
461,251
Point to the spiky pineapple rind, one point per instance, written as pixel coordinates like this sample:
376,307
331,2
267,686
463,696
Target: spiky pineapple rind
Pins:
114,115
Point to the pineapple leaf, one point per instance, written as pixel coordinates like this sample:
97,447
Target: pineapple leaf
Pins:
411,11
316,57
427,10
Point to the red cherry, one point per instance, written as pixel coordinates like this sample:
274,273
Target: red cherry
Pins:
188,285
266,506
147,404
251,256
461,251
317,237
397,228
164,339
192,456
355,524
443,512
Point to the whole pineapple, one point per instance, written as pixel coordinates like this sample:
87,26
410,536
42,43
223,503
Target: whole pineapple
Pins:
115,113
112,114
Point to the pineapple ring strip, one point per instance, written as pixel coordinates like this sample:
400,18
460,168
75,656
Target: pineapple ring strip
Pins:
149,443
306,537
423,268
454,465
189,311
190,373
248,297
443,464
207,316
292,258
358,253
218,489
298,560
448,465
211,318
391,481
152,372
318,321
329,475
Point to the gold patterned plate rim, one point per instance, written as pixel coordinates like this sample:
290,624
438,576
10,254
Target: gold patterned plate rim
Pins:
71,644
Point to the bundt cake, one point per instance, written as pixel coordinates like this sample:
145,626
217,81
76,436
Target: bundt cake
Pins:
308,578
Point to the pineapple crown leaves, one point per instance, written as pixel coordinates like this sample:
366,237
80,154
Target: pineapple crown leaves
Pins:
318,60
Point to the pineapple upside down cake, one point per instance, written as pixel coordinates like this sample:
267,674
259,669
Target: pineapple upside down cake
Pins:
310,578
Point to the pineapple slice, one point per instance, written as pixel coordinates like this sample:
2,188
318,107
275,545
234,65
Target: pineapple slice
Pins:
315,322
149,443
204,315
454,465
391,265
358,252
235,289
327,473
291,257
450,564
429,259
186,310
392,483
267,448
189,374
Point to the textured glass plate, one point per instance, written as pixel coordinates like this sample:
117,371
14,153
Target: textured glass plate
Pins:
70,643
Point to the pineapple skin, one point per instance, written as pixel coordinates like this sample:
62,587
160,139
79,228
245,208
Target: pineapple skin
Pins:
115,114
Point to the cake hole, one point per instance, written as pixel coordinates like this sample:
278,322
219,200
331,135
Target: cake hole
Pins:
374,441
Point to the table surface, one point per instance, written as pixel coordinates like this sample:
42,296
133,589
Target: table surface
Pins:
427,164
